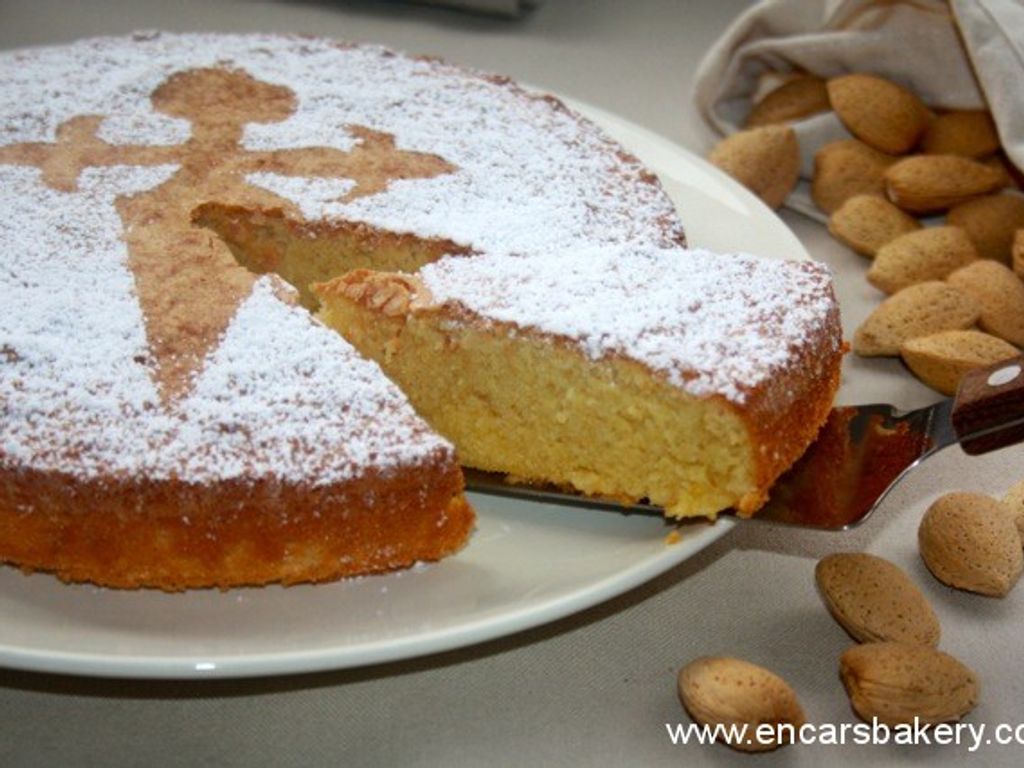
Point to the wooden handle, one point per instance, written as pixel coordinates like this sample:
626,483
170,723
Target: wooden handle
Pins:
988,399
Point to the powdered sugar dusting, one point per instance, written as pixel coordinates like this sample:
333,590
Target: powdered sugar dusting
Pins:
712,324
306,388
73,391
281,395
532,175
310,194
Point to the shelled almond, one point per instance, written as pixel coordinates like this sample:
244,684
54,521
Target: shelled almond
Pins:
879,112
866,223
766,160
1014,500
919,256
1000,297
942,359
904,682
874,600
970,133
846,168
990,222
970,541
798,97
919,310
721,690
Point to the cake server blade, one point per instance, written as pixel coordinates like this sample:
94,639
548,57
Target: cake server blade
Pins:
858,457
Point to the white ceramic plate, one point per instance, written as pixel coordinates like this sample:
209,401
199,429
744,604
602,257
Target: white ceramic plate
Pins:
527,563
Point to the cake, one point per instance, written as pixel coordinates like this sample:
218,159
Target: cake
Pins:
685,378
187,218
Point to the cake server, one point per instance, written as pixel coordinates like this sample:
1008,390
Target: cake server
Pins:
859,455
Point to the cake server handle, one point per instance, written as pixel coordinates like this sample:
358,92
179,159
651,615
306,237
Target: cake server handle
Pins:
989,402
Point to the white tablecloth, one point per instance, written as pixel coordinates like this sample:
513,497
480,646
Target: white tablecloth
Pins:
599,687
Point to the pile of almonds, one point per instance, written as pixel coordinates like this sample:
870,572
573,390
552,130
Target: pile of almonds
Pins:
956,296
895,673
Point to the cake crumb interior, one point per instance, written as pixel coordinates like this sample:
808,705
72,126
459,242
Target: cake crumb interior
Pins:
266,241
542,411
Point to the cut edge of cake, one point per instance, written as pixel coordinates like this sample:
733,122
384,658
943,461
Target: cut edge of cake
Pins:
540,409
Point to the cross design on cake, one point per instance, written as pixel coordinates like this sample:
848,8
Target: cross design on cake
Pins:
188,283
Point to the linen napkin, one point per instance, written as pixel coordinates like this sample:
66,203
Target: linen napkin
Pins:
960,54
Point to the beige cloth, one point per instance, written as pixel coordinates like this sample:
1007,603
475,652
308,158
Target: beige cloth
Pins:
961,54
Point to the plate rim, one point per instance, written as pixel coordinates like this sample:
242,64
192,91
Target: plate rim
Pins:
469,634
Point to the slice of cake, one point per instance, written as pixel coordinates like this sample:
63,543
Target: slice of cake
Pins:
683,377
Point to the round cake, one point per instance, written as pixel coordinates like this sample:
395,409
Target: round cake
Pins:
177,208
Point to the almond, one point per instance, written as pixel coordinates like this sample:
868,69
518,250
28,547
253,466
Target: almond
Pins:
941,359
1012,175
798,97
1000,295
866,223
990,222
970,541
898,682
1017,253
919,310
879,112
846,168
929,183
969,133
719,690
1014,499
999,164
765,160
874,600
925,254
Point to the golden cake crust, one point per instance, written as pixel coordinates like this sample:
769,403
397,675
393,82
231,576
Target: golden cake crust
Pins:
786,413
173,535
